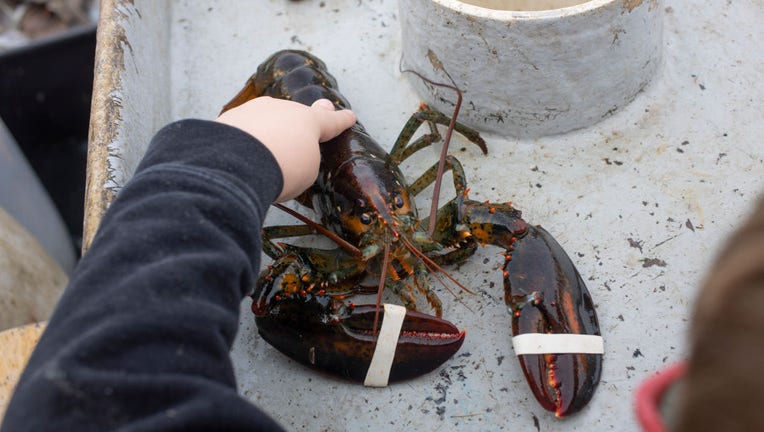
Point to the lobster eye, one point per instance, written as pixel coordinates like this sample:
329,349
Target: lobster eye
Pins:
398,201
365,219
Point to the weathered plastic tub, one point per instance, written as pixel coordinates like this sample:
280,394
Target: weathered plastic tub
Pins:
640,200
530,68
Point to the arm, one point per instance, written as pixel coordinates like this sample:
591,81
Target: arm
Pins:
141,337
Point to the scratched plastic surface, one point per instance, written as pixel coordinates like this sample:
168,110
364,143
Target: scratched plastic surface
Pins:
641,201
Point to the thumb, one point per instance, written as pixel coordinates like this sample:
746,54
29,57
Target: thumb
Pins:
330,122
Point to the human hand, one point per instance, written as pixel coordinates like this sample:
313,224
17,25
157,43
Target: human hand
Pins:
291,131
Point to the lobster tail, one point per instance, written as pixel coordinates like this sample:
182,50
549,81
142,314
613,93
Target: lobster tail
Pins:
292,75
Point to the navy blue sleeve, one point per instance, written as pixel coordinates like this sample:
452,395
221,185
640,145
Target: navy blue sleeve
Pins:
140,340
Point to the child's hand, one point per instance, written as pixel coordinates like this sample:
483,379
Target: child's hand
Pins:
291,131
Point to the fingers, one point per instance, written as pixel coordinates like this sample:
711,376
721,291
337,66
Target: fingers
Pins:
324,104
330,122
291,132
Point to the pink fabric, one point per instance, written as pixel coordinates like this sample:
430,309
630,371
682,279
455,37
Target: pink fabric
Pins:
650,393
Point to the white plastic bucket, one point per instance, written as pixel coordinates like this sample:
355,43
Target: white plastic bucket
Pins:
533,68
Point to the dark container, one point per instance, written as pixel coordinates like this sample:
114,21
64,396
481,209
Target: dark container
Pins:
45,90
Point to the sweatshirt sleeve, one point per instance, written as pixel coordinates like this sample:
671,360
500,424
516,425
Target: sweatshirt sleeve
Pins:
140,340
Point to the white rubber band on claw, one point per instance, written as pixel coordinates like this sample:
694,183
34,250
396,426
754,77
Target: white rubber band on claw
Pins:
382,360
542,343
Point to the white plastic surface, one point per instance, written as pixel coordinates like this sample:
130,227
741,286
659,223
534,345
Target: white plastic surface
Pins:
641,202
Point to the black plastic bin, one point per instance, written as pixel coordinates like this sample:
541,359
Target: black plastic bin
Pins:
45,91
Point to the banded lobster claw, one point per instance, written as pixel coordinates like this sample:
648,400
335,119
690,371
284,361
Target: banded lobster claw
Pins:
547,295
322,331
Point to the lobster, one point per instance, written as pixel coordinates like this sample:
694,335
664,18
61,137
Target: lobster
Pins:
302,301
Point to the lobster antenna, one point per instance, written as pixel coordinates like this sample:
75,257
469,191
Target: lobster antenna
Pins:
381,286
332,236
442,282
433,265
444,152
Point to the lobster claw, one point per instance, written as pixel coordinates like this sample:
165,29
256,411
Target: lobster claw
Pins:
341,342
547,295
322,331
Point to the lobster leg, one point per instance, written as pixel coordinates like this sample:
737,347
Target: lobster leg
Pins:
452,234
448,230
404,148
299,271
544,292
282,231
429,176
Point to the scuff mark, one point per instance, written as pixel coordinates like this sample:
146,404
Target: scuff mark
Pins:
536,422
616,32
649,262
630,5
636,244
